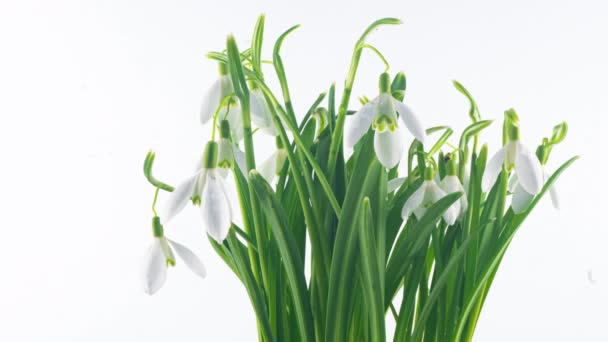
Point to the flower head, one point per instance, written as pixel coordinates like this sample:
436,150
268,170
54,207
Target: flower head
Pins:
215,95
427,194
381,115
450,184
205,189
514,156
159,257
260,112
272,166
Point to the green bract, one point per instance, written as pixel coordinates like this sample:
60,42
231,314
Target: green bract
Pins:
433,236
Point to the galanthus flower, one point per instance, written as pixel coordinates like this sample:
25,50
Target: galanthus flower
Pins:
427,194
272,166
450,184
230,111
159,257
522,198
216,94
381,115
228,153
205,189
515,156
260,112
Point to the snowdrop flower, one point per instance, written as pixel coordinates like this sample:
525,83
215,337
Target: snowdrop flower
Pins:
219,90
228,153
159,257
514,155
522,198
260,112
427,194
206,189
272,166
381,115
450,184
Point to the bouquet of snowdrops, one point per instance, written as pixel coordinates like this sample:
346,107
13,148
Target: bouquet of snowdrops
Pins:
423,246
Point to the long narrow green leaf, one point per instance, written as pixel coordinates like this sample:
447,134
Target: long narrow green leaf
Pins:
371,273
288,250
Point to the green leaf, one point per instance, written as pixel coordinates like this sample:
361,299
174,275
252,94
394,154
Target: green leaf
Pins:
362,181
289,253
371,273
256,45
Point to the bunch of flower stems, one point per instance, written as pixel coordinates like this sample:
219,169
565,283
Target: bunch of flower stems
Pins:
421,248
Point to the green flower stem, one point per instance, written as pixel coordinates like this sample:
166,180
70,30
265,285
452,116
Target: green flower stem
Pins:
148,164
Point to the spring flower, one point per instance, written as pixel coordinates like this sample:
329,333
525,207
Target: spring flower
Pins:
206,189
381,115
159,257
427,194
215,95
514,155
522,198
228,153
450,184
260,112
272,166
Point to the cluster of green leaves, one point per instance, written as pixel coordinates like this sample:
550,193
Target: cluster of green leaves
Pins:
362,253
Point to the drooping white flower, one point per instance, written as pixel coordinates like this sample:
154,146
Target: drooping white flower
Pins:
522,198
394,184
206,189
260,112
271,167
381,115
228,153
426,195
159,257
514,155
219,90
230,111
451,183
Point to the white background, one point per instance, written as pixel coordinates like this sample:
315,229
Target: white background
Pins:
87,87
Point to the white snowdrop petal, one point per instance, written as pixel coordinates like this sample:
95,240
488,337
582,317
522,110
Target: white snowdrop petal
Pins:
493,169
513,181
451,184
358,124
215,208
529,171
268,167
178,199
434,192
240,160
260,113
233,114
394,184
154,269
410,120
414,202
211,100
521,199
389,147
190,259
